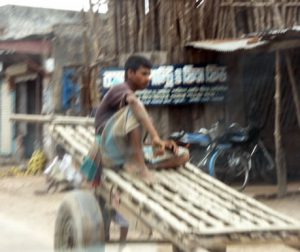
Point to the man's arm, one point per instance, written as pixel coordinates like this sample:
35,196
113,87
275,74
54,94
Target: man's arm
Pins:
142,116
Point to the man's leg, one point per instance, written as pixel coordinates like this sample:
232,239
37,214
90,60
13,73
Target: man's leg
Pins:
135,154
135,161
172,161
123,233
123,224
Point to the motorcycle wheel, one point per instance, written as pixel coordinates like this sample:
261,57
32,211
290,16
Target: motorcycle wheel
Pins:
196,157
232,167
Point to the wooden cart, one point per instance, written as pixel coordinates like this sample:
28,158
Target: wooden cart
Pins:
187,207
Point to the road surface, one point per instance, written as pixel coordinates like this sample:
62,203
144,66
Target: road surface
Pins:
27,221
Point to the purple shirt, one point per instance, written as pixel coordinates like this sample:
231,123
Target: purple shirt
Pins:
113,100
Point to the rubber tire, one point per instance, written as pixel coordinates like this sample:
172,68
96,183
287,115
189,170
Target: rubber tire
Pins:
79,224
196,155
220,164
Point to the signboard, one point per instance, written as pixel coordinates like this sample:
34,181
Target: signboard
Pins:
177,84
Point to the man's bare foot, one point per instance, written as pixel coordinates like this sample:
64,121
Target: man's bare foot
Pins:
147,176
131,168
140,171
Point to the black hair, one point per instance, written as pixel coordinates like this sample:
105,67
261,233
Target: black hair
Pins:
60,150
134,62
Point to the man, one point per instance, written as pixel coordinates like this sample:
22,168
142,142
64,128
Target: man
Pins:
121,120
61,171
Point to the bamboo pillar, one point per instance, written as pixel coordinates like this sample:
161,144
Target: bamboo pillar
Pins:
280,160
280,157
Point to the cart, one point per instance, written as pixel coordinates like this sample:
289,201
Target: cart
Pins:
187,208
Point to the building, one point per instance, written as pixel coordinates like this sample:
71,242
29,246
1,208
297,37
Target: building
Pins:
29,47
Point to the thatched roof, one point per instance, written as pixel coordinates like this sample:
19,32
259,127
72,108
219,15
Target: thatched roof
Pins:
171,24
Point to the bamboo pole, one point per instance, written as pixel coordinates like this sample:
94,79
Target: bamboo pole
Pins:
84,93
258,4
294,16
55,119
214,32
280,157
283,11
151,34
96,51
141,26
280,160
162,12
256,18
157,29
277,16
232,17
116,27
262,18
222,23
251,20
269,18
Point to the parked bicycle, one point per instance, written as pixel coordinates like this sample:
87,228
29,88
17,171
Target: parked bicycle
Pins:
228,153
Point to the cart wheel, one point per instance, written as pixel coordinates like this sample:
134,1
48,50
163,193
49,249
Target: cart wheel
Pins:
79,223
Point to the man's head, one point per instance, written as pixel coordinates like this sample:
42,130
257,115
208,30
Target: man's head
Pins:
137,72
60,151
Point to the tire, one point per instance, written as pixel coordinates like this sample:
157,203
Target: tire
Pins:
196,157
79,224
231,167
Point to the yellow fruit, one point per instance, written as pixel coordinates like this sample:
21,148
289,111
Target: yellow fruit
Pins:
36,163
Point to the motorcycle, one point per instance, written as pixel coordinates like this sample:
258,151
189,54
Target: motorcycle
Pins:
227,152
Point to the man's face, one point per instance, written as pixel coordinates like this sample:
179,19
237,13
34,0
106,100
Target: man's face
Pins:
139,78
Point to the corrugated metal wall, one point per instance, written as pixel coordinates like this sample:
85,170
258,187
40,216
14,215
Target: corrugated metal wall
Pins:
259,88
5,125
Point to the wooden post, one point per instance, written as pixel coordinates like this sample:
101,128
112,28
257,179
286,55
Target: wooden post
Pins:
84,93
95,51
294,86
280,160
280,157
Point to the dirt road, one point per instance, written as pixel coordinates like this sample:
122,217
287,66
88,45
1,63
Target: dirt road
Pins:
27,220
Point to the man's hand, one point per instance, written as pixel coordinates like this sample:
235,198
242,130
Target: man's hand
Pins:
171,145
158,146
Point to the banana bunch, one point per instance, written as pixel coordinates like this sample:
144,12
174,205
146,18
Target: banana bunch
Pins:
36,163
11,172
35,166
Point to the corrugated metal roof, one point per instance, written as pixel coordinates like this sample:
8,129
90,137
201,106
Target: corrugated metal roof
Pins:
250,41
227,45
6,52
43,36
278,34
